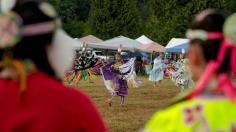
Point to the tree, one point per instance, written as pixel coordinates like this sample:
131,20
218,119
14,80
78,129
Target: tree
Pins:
143,10
110,18
158,19
171,18
55,3
74,15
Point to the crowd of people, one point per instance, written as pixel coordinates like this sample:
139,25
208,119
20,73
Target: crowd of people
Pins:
34,97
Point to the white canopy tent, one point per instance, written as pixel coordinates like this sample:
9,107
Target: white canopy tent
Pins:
115,43
176,42
177,45
74,42
144,40
149,46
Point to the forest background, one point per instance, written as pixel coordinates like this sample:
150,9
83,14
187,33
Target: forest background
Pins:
159,20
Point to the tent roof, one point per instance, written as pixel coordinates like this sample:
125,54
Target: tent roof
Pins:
149,46
176,42
153,47
177,45
90,39
68,39
179,48
144,40
114,43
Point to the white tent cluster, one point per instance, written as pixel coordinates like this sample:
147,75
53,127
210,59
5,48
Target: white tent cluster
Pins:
117,42
143,44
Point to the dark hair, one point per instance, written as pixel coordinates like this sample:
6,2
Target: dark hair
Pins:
19,2
34,47
212,22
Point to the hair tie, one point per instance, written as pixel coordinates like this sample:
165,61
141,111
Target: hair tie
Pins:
203,35
39,28
226,86
233,60
209,72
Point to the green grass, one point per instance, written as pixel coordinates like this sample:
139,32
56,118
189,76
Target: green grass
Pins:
140,104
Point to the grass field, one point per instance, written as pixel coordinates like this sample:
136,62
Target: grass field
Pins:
140,104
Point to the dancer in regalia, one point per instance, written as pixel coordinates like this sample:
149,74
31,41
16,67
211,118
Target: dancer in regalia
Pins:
181,76
157,73
118,76
85,67
169,70
121,85
211,106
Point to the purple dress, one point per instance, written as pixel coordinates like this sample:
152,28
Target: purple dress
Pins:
113,74
121,86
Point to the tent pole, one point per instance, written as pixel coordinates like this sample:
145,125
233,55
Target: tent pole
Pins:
151,57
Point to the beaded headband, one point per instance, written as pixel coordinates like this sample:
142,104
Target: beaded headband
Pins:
12,28
203,35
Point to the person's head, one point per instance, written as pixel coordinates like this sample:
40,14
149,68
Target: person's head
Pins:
32,46
41,39
159,56
202,51
118,57
139,58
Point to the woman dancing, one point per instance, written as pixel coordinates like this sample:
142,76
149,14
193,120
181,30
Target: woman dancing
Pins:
121,85
157,72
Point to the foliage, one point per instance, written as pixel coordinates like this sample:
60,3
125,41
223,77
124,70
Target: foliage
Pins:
158,19
171,18
74,15
110,18
76,28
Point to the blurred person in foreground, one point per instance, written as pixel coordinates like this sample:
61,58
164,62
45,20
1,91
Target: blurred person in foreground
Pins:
210,107
32,97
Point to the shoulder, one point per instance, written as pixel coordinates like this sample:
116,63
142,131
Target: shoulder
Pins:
186,113
168,119
62,103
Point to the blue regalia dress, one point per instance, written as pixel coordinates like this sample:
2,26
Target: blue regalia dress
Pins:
157,72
